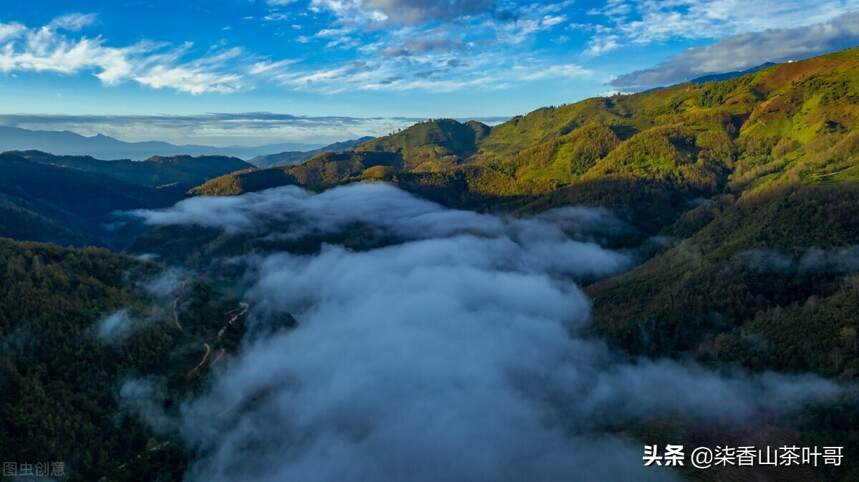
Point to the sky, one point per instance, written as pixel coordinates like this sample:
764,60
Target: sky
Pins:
384,62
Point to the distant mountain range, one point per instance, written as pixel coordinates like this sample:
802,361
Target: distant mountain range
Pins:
294,157
104,147
729,75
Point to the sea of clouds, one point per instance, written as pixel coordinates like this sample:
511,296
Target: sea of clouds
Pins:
457,353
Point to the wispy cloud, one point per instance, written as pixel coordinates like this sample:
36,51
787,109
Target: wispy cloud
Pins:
645,22
58,47
433,73
434,46
483,308
742,51
404,11
73,22
601,44
428,46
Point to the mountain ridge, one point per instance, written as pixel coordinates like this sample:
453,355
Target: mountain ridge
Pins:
293,157
744,132
153,172
102,146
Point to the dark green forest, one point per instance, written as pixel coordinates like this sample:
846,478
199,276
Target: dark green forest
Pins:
61,383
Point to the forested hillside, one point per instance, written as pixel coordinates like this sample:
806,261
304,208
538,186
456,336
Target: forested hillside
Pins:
727,173
77,200
44,202
783,124
185,171
295,157
71,375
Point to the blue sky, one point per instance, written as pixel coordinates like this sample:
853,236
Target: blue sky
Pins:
104,61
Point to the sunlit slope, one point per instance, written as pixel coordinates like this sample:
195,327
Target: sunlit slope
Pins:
785,124
325,170
763,275
439,146
432,145
790,122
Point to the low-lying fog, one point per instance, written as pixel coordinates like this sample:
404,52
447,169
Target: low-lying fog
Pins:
457,354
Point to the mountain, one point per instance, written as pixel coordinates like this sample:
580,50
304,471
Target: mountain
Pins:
60,374
766,281
433,145
427,150
729,75
104,147
743,183
322,171
153,172
781,124
294,157
43,202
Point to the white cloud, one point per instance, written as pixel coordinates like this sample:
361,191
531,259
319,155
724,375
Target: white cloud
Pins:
489,45
114,327
552,72
331,32
190,79
155,65
403,11
276,17
488,53
11,30
432,72
72,22
601,44
552,20
45,50
742,51
647,21
269,67
483,48
464,359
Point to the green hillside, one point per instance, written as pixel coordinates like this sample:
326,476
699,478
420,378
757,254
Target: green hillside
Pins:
72,199
433,145
784,124
295,157
20,220
43,202
766,161
322,171
730,290
790,196
61,384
